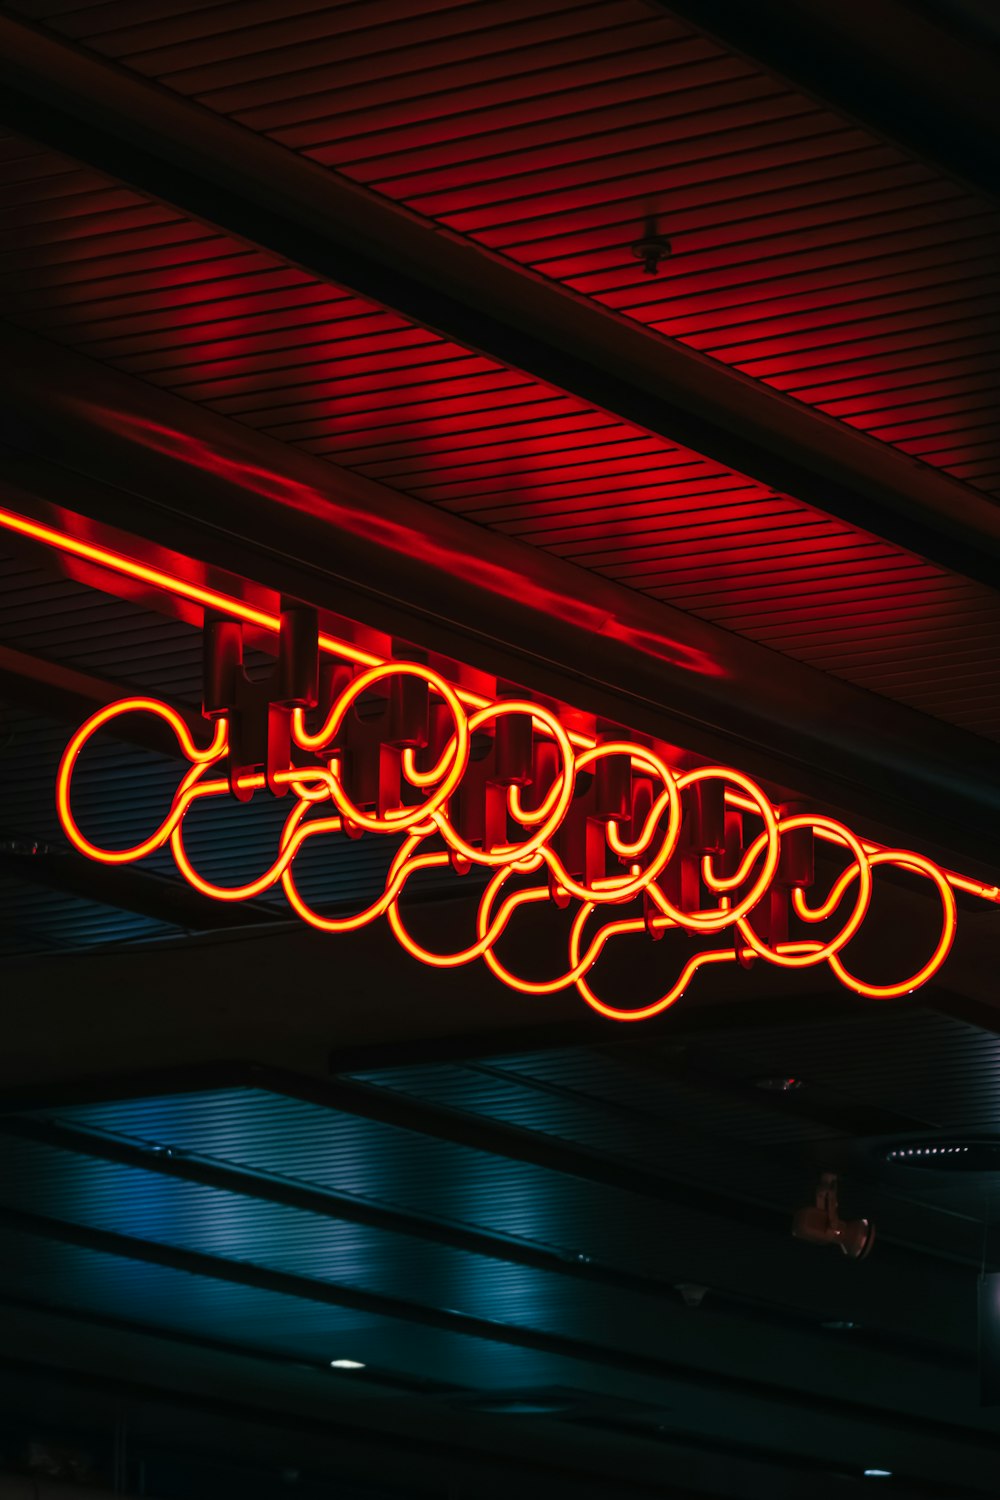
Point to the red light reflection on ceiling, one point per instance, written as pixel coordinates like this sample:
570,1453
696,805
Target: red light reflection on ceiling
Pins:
403,540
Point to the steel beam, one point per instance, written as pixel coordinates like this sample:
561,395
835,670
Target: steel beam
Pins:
216,171
227,1178
332,1294
61,692
923,77
128,889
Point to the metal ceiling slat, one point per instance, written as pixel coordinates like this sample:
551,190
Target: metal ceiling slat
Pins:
151,26
524,107
943,380
827,273
310,1144
514,179
274,103
818,169
870,191
157,1296
544,133
88,312
247,56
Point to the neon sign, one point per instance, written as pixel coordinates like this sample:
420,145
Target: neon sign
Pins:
605,829
702,851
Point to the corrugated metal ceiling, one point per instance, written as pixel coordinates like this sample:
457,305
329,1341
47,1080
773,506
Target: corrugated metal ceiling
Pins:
680,1120
101,1246
652,1236
625,1104
809,253
135,284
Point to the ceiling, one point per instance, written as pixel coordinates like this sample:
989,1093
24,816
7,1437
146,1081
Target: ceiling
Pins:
512,1228
338,302
130,283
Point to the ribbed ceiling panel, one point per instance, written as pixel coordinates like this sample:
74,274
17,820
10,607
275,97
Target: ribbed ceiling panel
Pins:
652,1234
134,284
808,253
213,1310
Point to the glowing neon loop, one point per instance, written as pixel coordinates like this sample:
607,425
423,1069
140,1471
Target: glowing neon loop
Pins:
313,786
64,779
553,807
505,975
191,789
908,861
860,870
624,888
455,756
633,925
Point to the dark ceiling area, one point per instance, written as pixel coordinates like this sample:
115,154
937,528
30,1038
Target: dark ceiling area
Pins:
639,360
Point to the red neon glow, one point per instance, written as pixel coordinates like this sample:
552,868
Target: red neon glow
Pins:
739,892
646,843
239,609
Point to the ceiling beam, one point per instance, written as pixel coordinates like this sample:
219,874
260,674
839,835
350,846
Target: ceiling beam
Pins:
791,1395
227,1178
61,692
555,1153
127,889
214,170
921,78
513,1249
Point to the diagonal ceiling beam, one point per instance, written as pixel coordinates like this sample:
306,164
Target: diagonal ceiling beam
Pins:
920,76
452,1321
326,1202
147,895
207,167
61,692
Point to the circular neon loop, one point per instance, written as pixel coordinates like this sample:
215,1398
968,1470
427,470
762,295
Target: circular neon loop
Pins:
295,834
486,925
559,799
402,818
486,936
737,894
908,861
634,925
191,790
821,951
715,921
624,889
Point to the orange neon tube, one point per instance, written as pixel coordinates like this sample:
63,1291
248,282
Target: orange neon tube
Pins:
229,604
322,806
